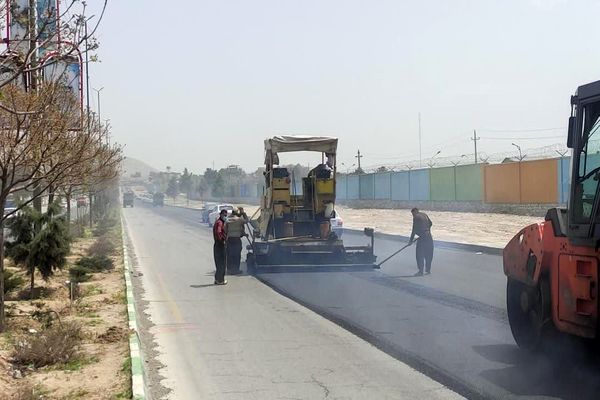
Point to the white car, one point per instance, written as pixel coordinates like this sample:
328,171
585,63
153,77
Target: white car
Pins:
205,210
216,210
9,208
337,223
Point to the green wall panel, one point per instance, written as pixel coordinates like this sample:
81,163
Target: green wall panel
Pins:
469,182
442,184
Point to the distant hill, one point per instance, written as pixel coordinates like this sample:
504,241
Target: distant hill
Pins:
133,165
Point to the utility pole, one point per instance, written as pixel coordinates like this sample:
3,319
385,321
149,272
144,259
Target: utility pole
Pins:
358,156
87,81
475,139
33,53
420,149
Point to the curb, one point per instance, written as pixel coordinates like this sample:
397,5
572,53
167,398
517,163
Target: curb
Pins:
138,387
495,251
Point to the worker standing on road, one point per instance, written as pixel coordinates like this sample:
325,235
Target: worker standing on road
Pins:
234,229
422,228
219,248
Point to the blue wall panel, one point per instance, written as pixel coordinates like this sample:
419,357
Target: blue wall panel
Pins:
382,186
340,187
419,184
353,187
400,189
367,186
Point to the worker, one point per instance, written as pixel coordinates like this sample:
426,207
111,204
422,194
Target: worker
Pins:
324,170
422,228
219,248
234,228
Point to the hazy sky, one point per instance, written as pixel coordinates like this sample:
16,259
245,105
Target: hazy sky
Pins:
191,82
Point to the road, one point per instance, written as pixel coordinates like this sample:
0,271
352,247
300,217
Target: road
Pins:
244,340
450,325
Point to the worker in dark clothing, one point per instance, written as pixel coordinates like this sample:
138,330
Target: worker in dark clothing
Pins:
422,228
235,231
219,250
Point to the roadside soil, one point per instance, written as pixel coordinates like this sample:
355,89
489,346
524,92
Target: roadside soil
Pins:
102,369
491,229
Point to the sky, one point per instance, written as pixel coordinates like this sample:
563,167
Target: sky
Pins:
200,83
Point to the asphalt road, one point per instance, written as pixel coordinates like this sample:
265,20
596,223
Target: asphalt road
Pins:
450,325
244,340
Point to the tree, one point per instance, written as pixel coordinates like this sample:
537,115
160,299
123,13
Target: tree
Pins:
41,122
210,176
382,169
185,182
173,189
42,149
218,186
36,33
44,249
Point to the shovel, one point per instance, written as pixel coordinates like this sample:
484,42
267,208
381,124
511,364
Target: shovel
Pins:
378,266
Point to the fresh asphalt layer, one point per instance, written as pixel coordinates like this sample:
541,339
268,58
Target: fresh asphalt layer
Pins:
451,325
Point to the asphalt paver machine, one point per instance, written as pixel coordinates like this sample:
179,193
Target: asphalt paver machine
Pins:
293,227
552,266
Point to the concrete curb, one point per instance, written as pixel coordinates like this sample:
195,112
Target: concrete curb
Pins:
495,251
138,379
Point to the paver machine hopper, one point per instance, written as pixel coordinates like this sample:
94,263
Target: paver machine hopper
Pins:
552,266
293,225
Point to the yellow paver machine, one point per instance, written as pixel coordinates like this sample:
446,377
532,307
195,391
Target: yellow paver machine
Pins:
293,227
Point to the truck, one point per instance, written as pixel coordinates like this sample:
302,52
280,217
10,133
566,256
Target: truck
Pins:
552,266
128,197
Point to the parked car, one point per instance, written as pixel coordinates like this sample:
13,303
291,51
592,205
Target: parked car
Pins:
337,223
216,210
207,209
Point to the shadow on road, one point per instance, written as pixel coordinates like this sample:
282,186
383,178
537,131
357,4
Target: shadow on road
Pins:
203,286
565,368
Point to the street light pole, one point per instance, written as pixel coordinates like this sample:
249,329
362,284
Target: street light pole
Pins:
519,170
99,115
519,148
431,162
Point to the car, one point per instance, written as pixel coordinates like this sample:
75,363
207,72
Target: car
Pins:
216,210
10,207
337,223
205,210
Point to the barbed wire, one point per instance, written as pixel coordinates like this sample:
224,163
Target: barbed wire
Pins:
528,154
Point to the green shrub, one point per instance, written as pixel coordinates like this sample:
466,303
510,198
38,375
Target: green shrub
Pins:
96,263
79,274
12,281
105,225
103,246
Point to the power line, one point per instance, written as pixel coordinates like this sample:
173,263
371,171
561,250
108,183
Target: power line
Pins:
522,130
522,138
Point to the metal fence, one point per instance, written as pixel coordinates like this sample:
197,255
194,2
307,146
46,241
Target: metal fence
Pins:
536,181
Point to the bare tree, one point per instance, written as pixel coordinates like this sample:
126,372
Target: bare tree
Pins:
44,148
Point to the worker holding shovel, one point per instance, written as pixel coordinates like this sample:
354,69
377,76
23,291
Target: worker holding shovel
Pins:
422,228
